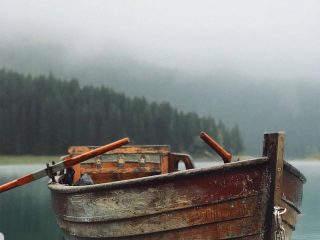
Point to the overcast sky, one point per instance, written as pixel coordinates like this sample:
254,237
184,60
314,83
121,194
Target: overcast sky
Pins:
264,39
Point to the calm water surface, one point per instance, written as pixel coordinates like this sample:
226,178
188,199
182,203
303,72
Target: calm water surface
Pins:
25,212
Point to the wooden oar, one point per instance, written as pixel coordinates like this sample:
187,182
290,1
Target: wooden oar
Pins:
217,147
49,171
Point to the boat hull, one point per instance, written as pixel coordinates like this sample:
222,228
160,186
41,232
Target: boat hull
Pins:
291,199
225,202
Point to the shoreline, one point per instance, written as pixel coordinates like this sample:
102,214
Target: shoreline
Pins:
27,159
34,159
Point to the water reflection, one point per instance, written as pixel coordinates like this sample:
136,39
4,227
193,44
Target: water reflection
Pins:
25,212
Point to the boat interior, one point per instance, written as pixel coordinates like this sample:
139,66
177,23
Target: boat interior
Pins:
126,162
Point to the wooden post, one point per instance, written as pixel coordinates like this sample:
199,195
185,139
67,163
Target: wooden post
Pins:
273,148
164,162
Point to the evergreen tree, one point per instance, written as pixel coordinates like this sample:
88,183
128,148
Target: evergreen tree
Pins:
44,115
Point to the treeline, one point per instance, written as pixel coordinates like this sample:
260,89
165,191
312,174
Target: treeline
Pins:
45,115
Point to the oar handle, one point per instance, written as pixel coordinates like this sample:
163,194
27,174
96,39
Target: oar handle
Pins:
217,147
16,183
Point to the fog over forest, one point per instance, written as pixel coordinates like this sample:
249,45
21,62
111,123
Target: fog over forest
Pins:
251,63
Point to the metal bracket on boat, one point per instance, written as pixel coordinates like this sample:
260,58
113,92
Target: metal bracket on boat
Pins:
142,160
120,161
50,172
98,163
279,231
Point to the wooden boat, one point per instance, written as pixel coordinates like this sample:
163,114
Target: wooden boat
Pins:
140,194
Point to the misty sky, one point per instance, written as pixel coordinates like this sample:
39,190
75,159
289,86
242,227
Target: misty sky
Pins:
276,39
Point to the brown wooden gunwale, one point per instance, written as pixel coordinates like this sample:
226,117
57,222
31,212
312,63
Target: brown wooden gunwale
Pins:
156,178
164,177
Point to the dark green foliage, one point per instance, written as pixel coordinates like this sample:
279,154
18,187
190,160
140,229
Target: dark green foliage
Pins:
44,115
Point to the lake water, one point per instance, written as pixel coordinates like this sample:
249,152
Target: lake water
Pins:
25,212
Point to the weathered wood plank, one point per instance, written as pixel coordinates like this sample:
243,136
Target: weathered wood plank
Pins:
130,149
273,148
178,219
149,198
113,167
291,216
292,189
243,228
